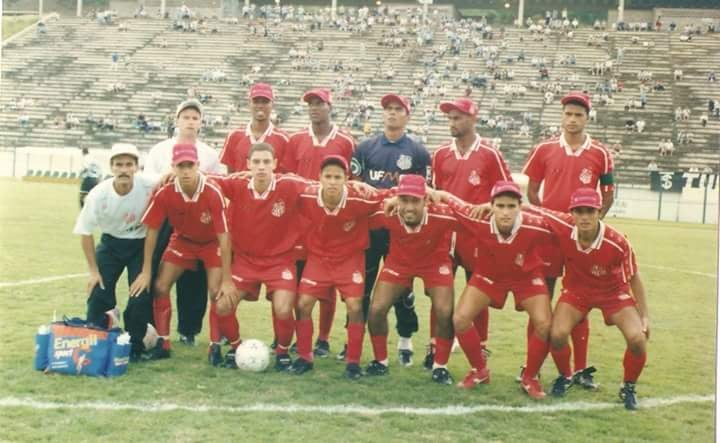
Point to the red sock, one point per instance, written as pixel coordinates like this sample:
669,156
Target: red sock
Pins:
433,324
633,365
304,331
469,340
214,320
355,335
285,329
536,353
442,350
230,328
162,313
379,345
580,335
327,316
481,323
562,360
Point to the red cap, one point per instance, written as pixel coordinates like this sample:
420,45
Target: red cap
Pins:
578,98
464,105
321,93
412,185
337,160
502,187
262,90
585,198
388,98
184,152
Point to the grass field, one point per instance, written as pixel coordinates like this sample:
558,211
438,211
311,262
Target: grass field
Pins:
13,25
36,221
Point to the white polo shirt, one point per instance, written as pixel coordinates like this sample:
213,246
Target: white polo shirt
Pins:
159,159
114,214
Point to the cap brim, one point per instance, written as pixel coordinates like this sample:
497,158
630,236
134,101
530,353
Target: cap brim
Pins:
307,97
184,159
586,205
263,95
411,194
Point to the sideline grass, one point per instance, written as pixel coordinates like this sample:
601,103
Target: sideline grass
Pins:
35,236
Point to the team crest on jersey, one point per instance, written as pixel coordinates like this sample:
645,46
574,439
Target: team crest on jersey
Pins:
474,178
538,281
205,218
444,270
404,161
347,227
357,277
129,218
598,271
278,208
520,260
585,176
287,275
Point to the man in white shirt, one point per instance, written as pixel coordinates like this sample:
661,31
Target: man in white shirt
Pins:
90,175
191,288
115,207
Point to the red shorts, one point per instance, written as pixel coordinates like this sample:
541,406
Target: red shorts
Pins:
497,291
553,260
433,275
184,253
276,273
608,303
321,274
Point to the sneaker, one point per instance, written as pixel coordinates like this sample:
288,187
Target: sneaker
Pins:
584,378
405,357
300,366
628,396
441,376
353,371
475,377
215,357
519,377
283,362
376,368
229,362
158,352
187,340
322,349
532,388
341,355
561,386
429,357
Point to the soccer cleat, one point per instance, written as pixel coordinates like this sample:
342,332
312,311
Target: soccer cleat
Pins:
229,362
532,388
300,366
628,396
475,377
158,352
322,349
441,376
283,362
429,357
187,340
584,378
353,371
405,357
376,368
561,386
341,355
215,357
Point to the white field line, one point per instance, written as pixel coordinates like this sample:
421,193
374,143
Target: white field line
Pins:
685,271
34,281
648,403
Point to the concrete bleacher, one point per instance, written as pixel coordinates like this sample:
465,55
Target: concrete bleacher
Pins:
68,70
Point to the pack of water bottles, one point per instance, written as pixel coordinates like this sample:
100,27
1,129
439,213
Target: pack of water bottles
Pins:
72,346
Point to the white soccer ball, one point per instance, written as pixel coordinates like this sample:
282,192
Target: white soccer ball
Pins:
252,355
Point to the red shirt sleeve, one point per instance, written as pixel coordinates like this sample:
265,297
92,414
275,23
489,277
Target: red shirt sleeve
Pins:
535,166
461,209
499,171
156,212
280,153
377,219
227,155
629,263
217,212
435,167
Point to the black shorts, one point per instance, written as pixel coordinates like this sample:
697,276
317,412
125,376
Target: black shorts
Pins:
87,184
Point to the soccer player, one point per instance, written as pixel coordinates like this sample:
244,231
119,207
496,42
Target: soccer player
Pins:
263,213
306,150
600,272
115,206
467,167
419,247
508,260
379,161
195,207
562,165
260,129
191,289
90,174
336,259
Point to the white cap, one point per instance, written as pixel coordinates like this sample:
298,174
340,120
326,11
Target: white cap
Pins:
124,149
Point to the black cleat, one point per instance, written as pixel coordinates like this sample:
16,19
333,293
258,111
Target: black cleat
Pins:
561,386
187,340
377,368
441,376
158,352
429,358
405,357
353,371
584,378
341,355
300,366
628,396
283,362
322,349
229,362
215,357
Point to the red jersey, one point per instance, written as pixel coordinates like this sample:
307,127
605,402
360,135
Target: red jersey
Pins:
305,152
470,176
199,218
267,224
238,142
343,231
506,259
606,266
429,242
562,171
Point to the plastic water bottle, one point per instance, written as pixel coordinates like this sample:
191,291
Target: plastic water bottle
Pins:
42,343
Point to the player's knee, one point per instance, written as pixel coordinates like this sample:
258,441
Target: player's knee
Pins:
161,287
636,342
461,322
542,327
558,337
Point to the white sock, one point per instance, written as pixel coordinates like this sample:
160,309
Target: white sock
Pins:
405,343
383,362
435,366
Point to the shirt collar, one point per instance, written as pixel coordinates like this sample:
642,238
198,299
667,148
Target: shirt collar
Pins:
513,232
264,195
336,211
568,148
474,147
416,229
595,245
249,133
386,141
196,196
323,142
